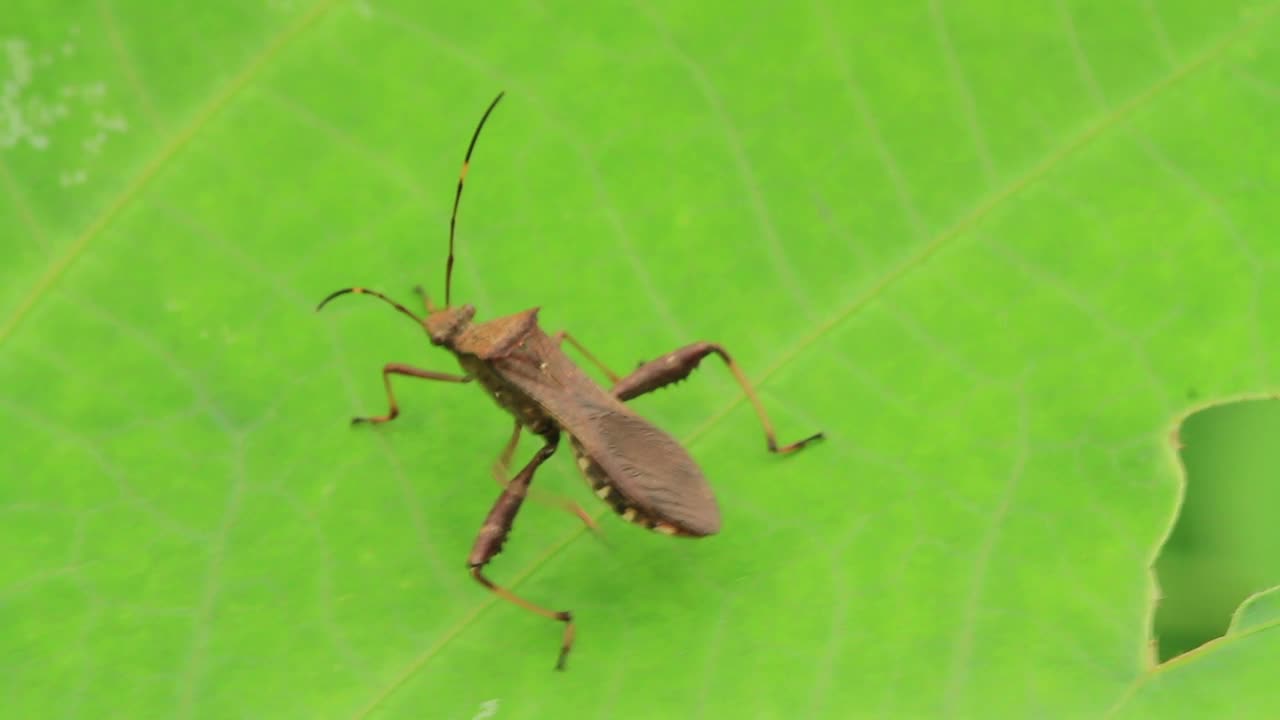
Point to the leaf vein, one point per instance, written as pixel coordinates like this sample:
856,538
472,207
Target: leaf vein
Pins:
152,169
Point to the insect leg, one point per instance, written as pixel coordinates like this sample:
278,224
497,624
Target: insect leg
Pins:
426,300
563,335
497,525
676,366
398,369
502,464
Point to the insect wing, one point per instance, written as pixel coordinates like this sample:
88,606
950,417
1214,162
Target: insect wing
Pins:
654,471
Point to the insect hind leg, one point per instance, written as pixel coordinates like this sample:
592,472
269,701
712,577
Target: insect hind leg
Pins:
676,366
494,532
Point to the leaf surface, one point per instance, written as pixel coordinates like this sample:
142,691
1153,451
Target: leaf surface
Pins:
995,254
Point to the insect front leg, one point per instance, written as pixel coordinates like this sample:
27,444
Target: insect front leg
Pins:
676,366
390,369
494,532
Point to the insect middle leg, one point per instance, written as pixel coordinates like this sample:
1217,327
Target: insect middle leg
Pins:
494,532
677,365
390,369
564,336
503,463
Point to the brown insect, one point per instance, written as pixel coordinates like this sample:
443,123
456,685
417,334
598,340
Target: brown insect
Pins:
639,470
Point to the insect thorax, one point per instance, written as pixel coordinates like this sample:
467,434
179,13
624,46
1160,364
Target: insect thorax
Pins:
509,397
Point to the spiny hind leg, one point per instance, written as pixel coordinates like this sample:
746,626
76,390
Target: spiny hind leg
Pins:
393,410
493,533
677,365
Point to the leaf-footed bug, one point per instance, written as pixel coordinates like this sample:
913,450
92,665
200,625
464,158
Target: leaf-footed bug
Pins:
639,470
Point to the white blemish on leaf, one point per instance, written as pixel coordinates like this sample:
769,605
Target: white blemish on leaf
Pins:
488,709
35,112
116,123
93,145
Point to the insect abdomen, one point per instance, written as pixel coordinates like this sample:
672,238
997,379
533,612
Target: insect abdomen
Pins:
604,488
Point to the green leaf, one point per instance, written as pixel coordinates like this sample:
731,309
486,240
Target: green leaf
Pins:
1223,548
1259,612
1231,676
996,254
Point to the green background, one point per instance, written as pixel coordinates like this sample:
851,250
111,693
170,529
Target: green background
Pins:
997,252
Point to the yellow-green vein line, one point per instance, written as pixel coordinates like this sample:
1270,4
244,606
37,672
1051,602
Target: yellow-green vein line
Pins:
465,621
1214,645
25,213
149,172
127,66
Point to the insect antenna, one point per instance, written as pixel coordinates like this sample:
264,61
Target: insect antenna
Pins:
462,177
374,293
